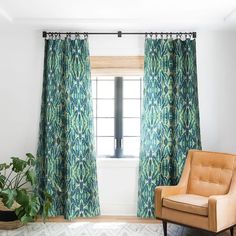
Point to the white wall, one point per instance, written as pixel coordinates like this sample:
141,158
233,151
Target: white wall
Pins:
118,186
216,54
131,45
21,63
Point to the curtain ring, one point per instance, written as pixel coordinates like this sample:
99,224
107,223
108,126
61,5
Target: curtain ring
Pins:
68,35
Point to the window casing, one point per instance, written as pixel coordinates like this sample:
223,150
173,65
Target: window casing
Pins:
117,111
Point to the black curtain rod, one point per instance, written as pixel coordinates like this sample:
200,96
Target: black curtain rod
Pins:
119,33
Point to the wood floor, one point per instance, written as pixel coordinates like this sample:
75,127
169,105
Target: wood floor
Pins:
128,219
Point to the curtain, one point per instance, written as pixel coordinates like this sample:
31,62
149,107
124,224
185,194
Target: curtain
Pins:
170,116
66,166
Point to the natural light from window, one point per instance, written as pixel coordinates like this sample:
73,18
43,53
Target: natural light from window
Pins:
117,109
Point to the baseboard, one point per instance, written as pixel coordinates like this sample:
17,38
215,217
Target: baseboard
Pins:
103,218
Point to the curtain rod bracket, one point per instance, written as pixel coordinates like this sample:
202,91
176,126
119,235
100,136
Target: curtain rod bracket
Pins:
119,34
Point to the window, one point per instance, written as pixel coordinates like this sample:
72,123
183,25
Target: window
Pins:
117,109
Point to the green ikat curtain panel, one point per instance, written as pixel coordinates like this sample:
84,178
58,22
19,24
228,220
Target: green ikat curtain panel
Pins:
66,152
170,116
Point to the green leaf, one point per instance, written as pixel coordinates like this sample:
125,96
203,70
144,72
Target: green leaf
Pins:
2,181
31,159
30,206
22,197
19,212
8,197
46,206
4,166
34,206
31,177
48,196
18,164
30,156
26,218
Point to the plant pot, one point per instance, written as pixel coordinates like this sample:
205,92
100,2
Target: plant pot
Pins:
8,218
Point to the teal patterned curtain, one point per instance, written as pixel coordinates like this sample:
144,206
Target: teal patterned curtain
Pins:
170,117
67,163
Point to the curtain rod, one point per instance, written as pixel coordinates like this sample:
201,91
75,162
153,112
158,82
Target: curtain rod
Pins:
119,33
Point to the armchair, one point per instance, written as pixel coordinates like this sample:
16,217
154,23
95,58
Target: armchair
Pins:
205,196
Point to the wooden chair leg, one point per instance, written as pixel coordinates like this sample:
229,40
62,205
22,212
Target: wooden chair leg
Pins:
164,223
232,231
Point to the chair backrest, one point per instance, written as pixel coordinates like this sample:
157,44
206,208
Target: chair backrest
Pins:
210,173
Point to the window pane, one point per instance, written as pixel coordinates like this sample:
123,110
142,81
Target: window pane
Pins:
94,89
131,146
105,108
105,89
105,146
105,126
94,108
131,127
141,88
131,89
94,125
131,108
95,147
132,77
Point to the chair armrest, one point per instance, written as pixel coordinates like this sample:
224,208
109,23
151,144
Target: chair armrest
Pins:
222,208
221,211
165,191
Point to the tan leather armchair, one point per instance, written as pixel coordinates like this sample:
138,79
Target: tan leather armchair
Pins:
205,197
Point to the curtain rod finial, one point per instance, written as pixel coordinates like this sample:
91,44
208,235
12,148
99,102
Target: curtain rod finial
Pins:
194,35
44,34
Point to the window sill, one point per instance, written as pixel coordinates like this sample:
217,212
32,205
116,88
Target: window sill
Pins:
126,162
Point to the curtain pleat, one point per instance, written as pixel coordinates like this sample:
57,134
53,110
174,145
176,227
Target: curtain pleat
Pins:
170,116
66,166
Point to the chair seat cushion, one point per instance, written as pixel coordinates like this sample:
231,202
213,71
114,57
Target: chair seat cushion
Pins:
190,203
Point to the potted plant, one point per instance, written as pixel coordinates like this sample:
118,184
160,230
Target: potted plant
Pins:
20,198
